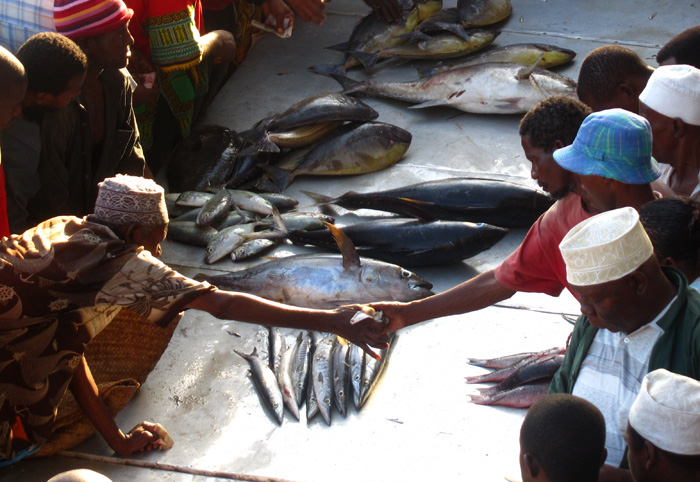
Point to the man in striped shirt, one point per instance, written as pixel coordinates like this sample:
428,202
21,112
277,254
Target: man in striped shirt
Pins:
636,317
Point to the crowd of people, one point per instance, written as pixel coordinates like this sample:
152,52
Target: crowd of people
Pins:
95,99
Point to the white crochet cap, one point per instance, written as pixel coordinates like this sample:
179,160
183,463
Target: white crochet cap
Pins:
605,247
667,412
124,200
674,91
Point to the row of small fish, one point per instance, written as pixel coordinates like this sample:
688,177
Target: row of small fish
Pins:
520,379
322,370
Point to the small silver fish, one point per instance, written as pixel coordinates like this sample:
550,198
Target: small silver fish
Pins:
300,366
286,384
340,375
322,376
267,383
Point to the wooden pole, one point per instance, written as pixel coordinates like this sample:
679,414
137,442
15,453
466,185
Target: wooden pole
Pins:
169,467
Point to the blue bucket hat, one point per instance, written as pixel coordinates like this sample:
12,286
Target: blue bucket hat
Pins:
612,143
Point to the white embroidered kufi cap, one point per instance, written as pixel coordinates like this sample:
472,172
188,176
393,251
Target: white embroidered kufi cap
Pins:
667,412
605,247
674,91
124,200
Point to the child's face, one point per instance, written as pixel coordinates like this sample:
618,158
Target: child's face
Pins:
11,104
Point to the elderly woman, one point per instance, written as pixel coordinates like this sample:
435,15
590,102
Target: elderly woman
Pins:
66,279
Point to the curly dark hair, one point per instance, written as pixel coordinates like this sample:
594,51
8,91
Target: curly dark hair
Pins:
555,118
566,435
606,68
673,226
51,61
684,48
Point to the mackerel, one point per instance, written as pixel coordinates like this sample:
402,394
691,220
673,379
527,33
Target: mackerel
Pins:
267,384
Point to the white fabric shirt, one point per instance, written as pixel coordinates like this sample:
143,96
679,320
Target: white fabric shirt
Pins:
611,376
667,172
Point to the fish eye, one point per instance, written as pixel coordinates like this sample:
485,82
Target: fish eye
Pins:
326,401
356,378
405,274
341,393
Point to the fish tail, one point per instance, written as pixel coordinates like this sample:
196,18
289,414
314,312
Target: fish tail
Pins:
280,178
318,198
366,59
349,85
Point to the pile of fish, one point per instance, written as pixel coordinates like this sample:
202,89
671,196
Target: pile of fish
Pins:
521,379
507,80
320,369
329,134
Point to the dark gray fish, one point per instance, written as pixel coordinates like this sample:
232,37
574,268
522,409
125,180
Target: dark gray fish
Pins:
286,383
267,384
300,366
302,221
340,375
410,241
188,232
202,159
322,376
281,201
519,397
477,200
326,107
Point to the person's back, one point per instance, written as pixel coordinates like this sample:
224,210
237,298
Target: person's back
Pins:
562,439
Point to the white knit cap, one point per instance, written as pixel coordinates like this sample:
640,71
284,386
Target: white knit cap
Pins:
674,91
605,247
124,200
667,412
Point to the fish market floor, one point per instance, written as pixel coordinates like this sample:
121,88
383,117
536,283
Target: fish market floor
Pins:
418,424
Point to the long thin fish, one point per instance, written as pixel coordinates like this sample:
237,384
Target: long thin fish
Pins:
505,361
355,358
540,369
267,384
322,376
300,366
286,384
520,397
340,375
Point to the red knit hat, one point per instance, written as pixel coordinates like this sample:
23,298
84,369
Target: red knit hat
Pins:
78,19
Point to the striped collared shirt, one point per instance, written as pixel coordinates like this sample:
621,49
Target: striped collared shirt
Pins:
20,19
611,376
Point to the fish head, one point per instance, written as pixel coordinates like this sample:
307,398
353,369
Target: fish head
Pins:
391,282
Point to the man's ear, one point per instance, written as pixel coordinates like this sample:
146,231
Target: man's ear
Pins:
557,145
533,468
638,282
678,127
650,454
133,234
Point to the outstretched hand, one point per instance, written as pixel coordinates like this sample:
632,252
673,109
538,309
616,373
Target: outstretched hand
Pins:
361,328
393,315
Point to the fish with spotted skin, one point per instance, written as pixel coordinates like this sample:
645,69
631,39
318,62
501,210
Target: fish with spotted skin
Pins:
322,376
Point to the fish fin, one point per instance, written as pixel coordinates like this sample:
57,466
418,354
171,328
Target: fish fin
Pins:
416,35
525,72
430,103
346,247
329,70
343,47
318,198
366,59
429,71
454,28
416,209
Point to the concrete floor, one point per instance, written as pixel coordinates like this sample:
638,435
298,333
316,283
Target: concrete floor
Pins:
418,424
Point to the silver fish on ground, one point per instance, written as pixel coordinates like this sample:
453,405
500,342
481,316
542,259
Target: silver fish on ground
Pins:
520,397
300,366
252,248
311,400
286,383
322,376
302,221
508,360
340,375
543,55
215,209
267,384
230,238
355,359
372,370
195,199
490,88
276,345
190,233
326,281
